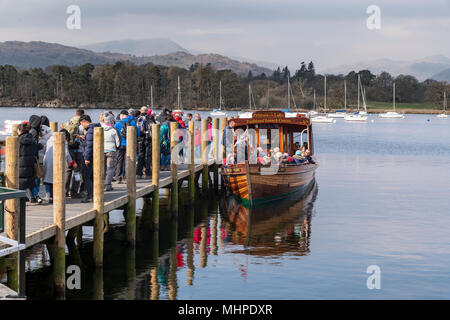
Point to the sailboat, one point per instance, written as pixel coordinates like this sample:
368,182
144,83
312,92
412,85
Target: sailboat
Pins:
219,112
313,112
443,115
179,106
323,119
248,114
341,113
359,116
392,114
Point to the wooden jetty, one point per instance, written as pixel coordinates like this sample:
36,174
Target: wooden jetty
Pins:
48,223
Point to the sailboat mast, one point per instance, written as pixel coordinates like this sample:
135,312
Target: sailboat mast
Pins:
151,96
325,94
249,97
393,95
289,97
358,91
314,99
179,93
445,101
345,95
220,95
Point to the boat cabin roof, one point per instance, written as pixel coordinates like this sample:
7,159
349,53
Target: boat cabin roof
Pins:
272,117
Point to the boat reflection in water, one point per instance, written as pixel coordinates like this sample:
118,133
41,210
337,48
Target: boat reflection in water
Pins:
271,230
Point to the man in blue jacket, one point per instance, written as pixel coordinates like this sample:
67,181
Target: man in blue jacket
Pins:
88,155
121,126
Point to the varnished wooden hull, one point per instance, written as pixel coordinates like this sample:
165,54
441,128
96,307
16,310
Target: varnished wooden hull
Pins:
265,188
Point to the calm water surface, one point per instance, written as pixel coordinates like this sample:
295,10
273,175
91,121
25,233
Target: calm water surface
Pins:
381,198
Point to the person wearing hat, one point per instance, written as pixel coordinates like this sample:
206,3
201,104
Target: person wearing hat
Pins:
112,144
125,120
144,156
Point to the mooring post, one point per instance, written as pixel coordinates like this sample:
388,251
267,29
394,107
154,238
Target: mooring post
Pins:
131,185
216,135
191,182
54,126
156,164
205,172
174,133
59,212
12,182
224,123
99,195
12,206
15,128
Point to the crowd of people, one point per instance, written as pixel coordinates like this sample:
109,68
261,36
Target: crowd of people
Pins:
36,142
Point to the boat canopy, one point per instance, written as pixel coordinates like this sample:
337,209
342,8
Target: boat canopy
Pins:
290,128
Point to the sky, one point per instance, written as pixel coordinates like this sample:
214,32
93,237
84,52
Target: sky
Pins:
284,32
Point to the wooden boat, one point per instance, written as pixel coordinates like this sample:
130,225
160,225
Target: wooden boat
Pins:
256,183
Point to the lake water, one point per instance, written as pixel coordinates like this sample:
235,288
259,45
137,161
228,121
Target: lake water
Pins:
382,198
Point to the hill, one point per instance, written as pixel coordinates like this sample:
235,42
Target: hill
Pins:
421,69
42,54
145,47
442,76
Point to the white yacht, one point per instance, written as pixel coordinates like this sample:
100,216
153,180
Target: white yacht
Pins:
392,114
443,115
219,112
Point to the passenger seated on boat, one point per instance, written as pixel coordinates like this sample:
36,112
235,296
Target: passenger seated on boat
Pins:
308,157
299,158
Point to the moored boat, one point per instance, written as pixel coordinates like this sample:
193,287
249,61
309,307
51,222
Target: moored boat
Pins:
257,182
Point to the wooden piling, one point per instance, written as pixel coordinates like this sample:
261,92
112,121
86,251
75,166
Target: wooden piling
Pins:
156,164
15,128
224,123
99,195
54,126
191,183
59,213
12,182
130,218
154,284
174,133
215,142
205,171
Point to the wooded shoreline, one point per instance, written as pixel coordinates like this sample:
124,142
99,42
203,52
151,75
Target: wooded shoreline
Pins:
110,107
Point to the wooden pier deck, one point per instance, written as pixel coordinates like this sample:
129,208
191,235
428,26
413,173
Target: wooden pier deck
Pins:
39,218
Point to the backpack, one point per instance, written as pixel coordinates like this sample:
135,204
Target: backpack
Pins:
148,131
123,130
73,129
141,124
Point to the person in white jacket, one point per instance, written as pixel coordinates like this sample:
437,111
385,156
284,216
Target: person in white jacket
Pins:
112,143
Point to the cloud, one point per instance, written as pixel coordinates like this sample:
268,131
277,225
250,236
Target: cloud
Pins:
286,31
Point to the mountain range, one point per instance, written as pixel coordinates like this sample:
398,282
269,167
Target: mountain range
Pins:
42,54
165,52
431,67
